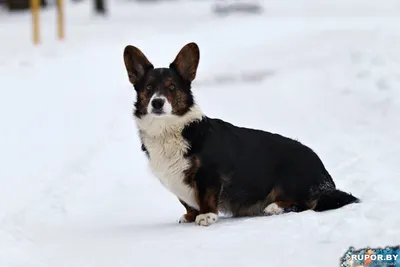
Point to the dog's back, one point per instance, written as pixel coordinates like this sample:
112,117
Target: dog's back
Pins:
259,168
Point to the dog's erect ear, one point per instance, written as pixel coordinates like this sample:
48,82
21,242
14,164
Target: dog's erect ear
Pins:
187,61
136,64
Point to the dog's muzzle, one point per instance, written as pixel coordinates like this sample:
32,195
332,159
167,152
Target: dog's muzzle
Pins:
157,105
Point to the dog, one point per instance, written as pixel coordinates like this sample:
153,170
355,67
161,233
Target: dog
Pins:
213,166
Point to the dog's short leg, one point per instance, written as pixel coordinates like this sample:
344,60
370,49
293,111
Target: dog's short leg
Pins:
208,185
206,219
280,207
190,215
273,209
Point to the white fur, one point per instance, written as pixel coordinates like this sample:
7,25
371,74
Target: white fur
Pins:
161,135
206,219
183,219
167,108
273,209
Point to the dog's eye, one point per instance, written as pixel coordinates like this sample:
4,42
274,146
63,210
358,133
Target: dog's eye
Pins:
171,87
148,87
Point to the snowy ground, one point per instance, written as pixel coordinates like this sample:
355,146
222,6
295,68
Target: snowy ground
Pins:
326,72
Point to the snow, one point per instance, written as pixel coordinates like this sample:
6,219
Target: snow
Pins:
75,189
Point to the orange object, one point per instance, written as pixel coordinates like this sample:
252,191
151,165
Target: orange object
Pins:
368,260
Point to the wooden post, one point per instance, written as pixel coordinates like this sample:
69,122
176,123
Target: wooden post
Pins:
35,6
60,20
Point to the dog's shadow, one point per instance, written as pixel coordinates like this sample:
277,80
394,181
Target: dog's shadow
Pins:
223,221
165,227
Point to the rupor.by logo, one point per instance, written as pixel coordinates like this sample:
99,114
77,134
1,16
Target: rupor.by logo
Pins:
371,257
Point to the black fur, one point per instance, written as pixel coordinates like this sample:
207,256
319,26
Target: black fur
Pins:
143,147
334,199
251,163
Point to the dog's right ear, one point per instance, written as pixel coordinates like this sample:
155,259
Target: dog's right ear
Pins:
136,64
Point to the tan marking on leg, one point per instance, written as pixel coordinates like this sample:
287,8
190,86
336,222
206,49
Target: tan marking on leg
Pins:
286,204
190,215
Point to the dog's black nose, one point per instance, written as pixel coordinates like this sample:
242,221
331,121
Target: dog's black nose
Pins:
157,103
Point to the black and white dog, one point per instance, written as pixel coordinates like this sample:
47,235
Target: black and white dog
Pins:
213,166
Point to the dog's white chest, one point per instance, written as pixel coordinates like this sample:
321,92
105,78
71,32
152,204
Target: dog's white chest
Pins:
167,162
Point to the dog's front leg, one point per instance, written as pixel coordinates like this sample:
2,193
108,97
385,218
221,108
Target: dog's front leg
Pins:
208,190
190,215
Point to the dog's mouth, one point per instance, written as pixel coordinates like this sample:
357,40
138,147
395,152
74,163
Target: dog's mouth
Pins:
157,111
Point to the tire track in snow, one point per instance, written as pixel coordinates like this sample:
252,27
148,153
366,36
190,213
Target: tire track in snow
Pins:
50,203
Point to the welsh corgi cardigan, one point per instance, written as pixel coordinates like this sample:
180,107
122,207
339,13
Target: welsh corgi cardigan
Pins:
212,166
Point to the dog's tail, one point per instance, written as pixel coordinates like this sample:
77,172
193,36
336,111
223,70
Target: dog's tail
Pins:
334,199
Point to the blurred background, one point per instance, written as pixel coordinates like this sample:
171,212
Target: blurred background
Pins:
74,185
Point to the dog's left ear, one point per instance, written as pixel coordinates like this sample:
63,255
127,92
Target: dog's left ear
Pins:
187,61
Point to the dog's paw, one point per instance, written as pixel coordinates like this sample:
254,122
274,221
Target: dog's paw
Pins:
206,219
183,219
273,209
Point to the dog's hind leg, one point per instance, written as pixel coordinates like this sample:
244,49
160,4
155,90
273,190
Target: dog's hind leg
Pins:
273,209
280,207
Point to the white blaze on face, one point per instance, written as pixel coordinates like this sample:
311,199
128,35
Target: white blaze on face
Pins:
159,105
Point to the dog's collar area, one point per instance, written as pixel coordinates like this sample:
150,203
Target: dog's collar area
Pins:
162,125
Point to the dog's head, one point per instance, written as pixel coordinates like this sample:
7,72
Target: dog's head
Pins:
162,92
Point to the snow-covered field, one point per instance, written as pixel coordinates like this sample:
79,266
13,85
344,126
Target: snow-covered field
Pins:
75,190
